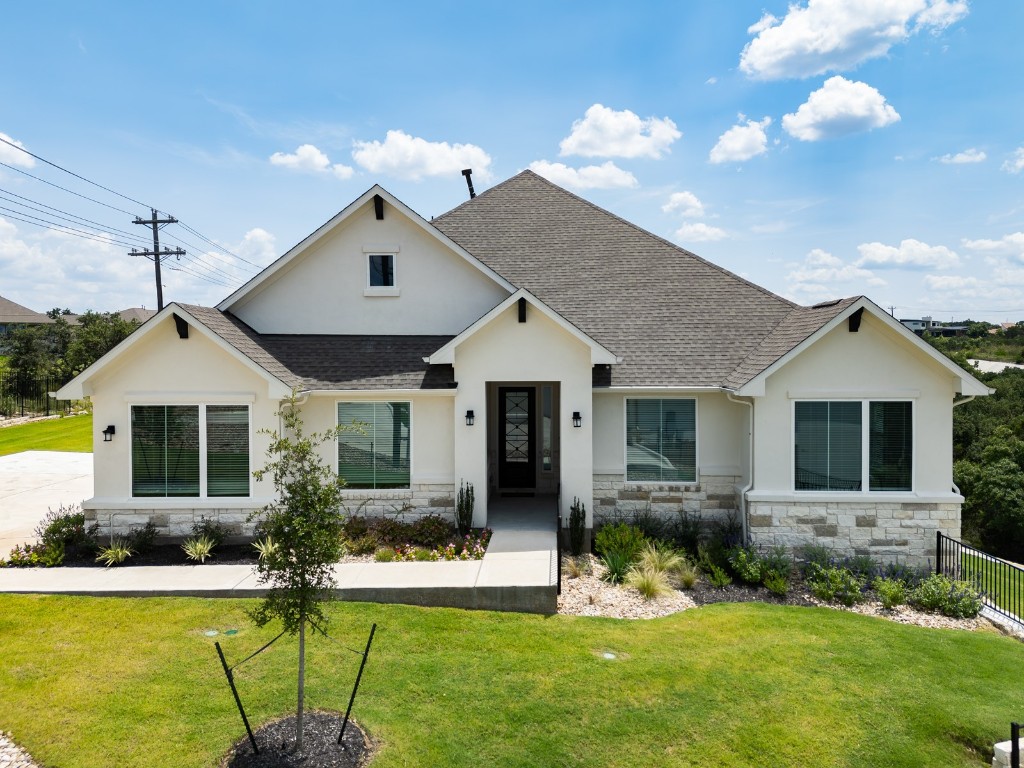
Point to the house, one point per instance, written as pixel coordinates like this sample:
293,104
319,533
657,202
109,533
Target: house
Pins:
14,316
531,343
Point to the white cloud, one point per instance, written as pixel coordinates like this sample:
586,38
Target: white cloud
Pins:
823,276
12,156
604,176
711,81
911,254
309,158
604,132
686,204
1015,164
838,35
947,283
741,142
971,155
1008,245
410,157
838,108
699,232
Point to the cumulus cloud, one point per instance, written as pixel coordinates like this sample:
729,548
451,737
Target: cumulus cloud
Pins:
945,283
971,155
604,176
910,254
410,157
685,204
12,156
838,35
741,142
605,132
1008,245
823,276
838,108
699,232
310,159
1015,164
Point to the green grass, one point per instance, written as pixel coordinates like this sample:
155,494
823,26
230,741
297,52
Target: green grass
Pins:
72,433
1003,584
127,682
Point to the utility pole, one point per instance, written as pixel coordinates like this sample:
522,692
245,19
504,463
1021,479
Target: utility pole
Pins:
892,311
156,254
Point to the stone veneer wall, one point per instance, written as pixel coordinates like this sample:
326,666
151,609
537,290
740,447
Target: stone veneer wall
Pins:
714,497
420,500
901,532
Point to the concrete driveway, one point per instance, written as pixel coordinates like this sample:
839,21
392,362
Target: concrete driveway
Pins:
33,482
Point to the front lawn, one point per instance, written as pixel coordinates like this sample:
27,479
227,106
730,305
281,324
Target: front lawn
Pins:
131,682
71,433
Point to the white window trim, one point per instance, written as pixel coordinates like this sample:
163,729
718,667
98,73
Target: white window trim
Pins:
865,445
203,489
625,442
382,290
378,492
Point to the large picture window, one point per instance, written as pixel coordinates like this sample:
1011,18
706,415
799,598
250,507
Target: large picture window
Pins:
375,453
169,447
834,452
661,440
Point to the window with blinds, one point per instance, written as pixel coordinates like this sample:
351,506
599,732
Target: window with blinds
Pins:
661,440
375,448
168,448
830,445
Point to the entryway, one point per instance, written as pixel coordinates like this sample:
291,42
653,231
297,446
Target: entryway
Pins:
522,439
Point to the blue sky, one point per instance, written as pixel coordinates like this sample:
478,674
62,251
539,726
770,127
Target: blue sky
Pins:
825,148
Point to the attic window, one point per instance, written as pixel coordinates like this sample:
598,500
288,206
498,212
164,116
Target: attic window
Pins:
380,274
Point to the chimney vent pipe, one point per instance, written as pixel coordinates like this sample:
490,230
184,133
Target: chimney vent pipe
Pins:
468,173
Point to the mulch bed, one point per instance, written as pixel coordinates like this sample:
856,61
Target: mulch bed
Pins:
170,554
705,594
320,748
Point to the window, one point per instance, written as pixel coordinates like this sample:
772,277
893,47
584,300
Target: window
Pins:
833,451
661,440
170,443
375,453
382,270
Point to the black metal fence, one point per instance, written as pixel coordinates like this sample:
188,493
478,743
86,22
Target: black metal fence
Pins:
1001,583
29,396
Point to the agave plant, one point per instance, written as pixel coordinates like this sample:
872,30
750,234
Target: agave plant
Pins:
115,554
265,547
199,548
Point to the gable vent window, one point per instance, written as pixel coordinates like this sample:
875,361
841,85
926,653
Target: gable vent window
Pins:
382,270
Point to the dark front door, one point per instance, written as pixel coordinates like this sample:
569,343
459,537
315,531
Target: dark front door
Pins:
517,455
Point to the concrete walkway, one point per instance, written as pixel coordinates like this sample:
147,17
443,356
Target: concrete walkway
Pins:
31,483
518,573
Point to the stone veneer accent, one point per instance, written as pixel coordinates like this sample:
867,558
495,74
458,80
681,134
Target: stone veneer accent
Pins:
422,499
714,497
901,532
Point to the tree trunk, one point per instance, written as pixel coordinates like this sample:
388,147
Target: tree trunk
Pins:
302,685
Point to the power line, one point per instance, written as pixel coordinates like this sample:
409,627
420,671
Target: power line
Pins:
66,215
64,228
65,189
218,245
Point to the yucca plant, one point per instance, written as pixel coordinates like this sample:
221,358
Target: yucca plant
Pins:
265,547
199,548
648,582
115,554
616,565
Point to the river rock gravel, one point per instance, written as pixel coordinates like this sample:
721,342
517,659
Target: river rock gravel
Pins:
13,756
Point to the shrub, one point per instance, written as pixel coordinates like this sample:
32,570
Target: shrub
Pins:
141,538
892,592
717,577
115,554
464,503
265,547
686,531
207,528
577,526
941,594
910,575
391,530
650,524
430,531
364,545
862,565
835,584
777,560
66,527
729,532
385,555
776,583
355,527
198,548
648,582
812,555
422,555
709,554
746,564
35,556
617,564
621,539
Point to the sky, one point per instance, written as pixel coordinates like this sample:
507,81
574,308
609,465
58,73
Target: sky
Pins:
820,148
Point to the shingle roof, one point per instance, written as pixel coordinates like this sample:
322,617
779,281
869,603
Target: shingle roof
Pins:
320,362
12,312
674,318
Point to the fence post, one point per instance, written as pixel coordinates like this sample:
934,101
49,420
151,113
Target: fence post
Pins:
1015,745
938,552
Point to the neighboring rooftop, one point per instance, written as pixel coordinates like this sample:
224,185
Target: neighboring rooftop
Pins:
13,313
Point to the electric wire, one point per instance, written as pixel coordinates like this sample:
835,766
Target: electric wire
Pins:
69,191
64,228
66,215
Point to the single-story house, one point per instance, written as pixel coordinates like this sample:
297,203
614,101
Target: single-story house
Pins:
529,342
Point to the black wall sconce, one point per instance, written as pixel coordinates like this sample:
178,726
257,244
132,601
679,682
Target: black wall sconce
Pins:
577,420
108,433
470,418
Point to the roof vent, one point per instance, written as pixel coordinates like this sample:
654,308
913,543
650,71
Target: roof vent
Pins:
468,173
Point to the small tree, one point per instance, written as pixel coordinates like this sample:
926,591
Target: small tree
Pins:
305,525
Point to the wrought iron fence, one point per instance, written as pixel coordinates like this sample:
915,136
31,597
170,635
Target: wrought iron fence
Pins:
1000,582
30,396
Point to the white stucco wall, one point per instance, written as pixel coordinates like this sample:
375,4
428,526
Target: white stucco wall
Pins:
322,290
508,351
874,363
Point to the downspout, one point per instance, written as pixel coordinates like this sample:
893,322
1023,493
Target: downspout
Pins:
955,404
750,463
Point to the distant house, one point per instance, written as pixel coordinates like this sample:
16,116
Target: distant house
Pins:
13,316
137,314
926,324
534,345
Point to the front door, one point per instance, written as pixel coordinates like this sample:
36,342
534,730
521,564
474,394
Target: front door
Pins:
517,455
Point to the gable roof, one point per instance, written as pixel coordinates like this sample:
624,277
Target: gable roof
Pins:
12,312
269,273
674,318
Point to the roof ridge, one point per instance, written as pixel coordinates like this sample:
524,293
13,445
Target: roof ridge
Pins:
486,192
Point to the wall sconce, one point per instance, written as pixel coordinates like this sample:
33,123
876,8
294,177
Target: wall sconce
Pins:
470,418
577,420
108,433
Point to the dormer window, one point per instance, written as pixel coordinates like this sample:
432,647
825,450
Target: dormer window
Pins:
381,275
